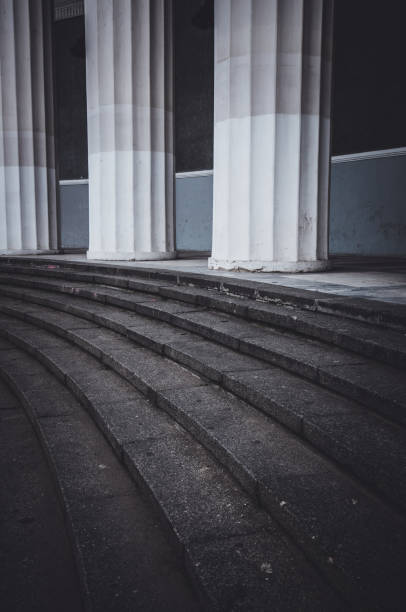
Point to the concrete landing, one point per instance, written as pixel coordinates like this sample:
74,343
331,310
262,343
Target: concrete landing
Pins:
384,281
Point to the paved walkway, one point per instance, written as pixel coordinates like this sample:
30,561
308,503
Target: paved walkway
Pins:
378,281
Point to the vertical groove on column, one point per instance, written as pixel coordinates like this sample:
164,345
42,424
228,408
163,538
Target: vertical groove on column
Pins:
123,117
168,113
310,130
228,199
264,46
325,129
14,175
221,145
35,77
136,131
49,110
250,248
108,158
240,107
288,127
142,125
169,129
3,209
155,77
275,142
116,65
274,78
26,126
39,125
93,124
165,241
12,161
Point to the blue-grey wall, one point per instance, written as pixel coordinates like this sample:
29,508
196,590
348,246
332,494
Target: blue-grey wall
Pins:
74,216
194,197
368,207
194,213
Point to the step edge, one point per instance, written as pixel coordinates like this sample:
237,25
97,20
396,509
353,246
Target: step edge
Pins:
289,418
291,296
353,391
317,558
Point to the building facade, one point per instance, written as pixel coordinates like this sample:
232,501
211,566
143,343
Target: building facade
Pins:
267,134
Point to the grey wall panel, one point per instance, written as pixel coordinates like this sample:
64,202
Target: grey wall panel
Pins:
368,207
74,216
367,210
194,213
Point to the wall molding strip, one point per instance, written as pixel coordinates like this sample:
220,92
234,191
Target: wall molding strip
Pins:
339,159
193,174
179,175
336,159
74,182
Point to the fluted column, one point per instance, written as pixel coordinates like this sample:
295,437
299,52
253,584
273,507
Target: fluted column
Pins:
130,125
271,134
27,156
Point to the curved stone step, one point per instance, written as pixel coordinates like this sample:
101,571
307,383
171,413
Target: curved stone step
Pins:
373,384
384,314
36,556
348,533
235,553
124,560
371,448
365,339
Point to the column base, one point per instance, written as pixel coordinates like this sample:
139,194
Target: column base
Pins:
131,256
317,265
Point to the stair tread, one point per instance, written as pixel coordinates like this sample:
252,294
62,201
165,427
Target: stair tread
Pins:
203,504
123,558
378,313
35,548
291,480
309,358
301,484
344,331
295,402
341,331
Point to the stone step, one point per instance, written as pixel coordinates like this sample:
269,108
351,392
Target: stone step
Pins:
345,531
371,448
35,551
377,386
237,556
379,313
369,340
124,559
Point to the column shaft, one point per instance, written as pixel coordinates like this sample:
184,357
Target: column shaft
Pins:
27,157
271,134
130,128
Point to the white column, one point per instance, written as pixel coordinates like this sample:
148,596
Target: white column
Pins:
130,128
27,157
271,134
